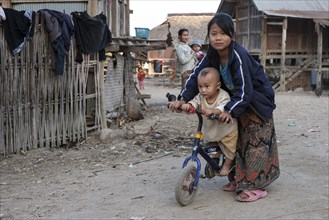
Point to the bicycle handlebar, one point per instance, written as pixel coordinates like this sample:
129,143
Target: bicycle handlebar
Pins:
198,111
193,110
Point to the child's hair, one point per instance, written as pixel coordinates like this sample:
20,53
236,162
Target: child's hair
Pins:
207,70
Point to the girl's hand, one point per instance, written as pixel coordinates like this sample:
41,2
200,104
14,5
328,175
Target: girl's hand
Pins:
225,117
173,106
185,107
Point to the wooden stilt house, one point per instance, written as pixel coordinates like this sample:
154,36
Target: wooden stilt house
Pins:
289,37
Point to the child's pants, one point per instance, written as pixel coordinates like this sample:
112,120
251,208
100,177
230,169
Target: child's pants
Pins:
228,144
141,84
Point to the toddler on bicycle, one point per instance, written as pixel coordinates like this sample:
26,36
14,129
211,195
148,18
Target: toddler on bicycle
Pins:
211,100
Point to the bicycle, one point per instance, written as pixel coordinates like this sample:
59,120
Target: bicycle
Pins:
187,184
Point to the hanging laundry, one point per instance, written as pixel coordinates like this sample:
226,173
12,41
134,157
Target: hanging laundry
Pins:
60,29
66,24
91,34
18,27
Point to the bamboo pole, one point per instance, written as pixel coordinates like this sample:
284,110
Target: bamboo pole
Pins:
283,55
319,56
101,96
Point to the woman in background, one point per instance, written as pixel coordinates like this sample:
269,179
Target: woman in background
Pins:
186,58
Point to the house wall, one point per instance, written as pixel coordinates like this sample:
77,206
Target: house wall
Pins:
167,57
117,13
301,37
65,7
249,27
119,86
114,84
169,61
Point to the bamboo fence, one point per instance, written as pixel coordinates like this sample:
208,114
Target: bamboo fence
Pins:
37,107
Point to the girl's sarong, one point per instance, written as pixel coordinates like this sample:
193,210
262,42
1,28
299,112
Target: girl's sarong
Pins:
257,162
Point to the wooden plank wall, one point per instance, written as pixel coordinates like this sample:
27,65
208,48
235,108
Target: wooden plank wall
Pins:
37,107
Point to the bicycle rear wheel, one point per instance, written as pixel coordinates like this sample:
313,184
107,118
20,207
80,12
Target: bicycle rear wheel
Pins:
185,191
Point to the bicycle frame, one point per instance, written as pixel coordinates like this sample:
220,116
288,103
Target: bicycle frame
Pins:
197,149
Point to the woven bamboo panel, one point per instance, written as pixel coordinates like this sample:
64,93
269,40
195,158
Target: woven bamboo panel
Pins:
37,107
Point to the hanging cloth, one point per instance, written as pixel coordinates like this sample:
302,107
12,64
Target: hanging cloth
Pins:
91,34
2,15
66,24
19,28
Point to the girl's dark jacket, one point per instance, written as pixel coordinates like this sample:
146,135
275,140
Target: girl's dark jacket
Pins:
252,88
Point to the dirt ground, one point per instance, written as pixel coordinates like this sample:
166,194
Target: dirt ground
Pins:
130,173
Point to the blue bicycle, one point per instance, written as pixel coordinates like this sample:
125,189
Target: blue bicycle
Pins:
187,183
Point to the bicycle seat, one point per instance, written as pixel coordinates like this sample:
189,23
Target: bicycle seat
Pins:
212,144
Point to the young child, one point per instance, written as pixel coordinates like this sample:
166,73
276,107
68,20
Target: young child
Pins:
196,46
141,74
212,99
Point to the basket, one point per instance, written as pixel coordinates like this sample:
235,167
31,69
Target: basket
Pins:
142,33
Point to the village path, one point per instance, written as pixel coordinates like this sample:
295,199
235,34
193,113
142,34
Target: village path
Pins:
124,176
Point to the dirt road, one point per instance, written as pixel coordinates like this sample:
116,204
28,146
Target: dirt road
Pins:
121,178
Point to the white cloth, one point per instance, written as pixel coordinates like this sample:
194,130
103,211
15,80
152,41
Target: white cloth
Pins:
2,14
212,130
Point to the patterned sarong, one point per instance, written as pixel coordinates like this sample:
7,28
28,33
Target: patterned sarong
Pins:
257,161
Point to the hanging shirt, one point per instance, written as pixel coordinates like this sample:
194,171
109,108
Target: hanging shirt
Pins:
91,34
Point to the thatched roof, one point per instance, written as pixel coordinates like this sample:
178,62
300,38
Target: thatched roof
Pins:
196,23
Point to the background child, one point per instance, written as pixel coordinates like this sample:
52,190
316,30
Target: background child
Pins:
196,46
141,74
212,99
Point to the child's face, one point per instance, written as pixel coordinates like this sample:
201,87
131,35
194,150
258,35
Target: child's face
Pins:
208,85
196,48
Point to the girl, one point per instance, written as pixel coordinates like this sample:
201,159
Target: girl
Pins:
141,74
252,103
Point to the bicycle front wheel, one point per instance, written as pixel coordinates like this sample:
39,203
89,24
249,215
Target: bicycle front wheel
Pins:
185,191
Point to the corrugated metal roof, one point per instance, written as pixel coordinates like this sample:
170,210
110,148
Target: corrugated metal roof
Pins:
66,7
292,5
299,14
322,22
317,9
